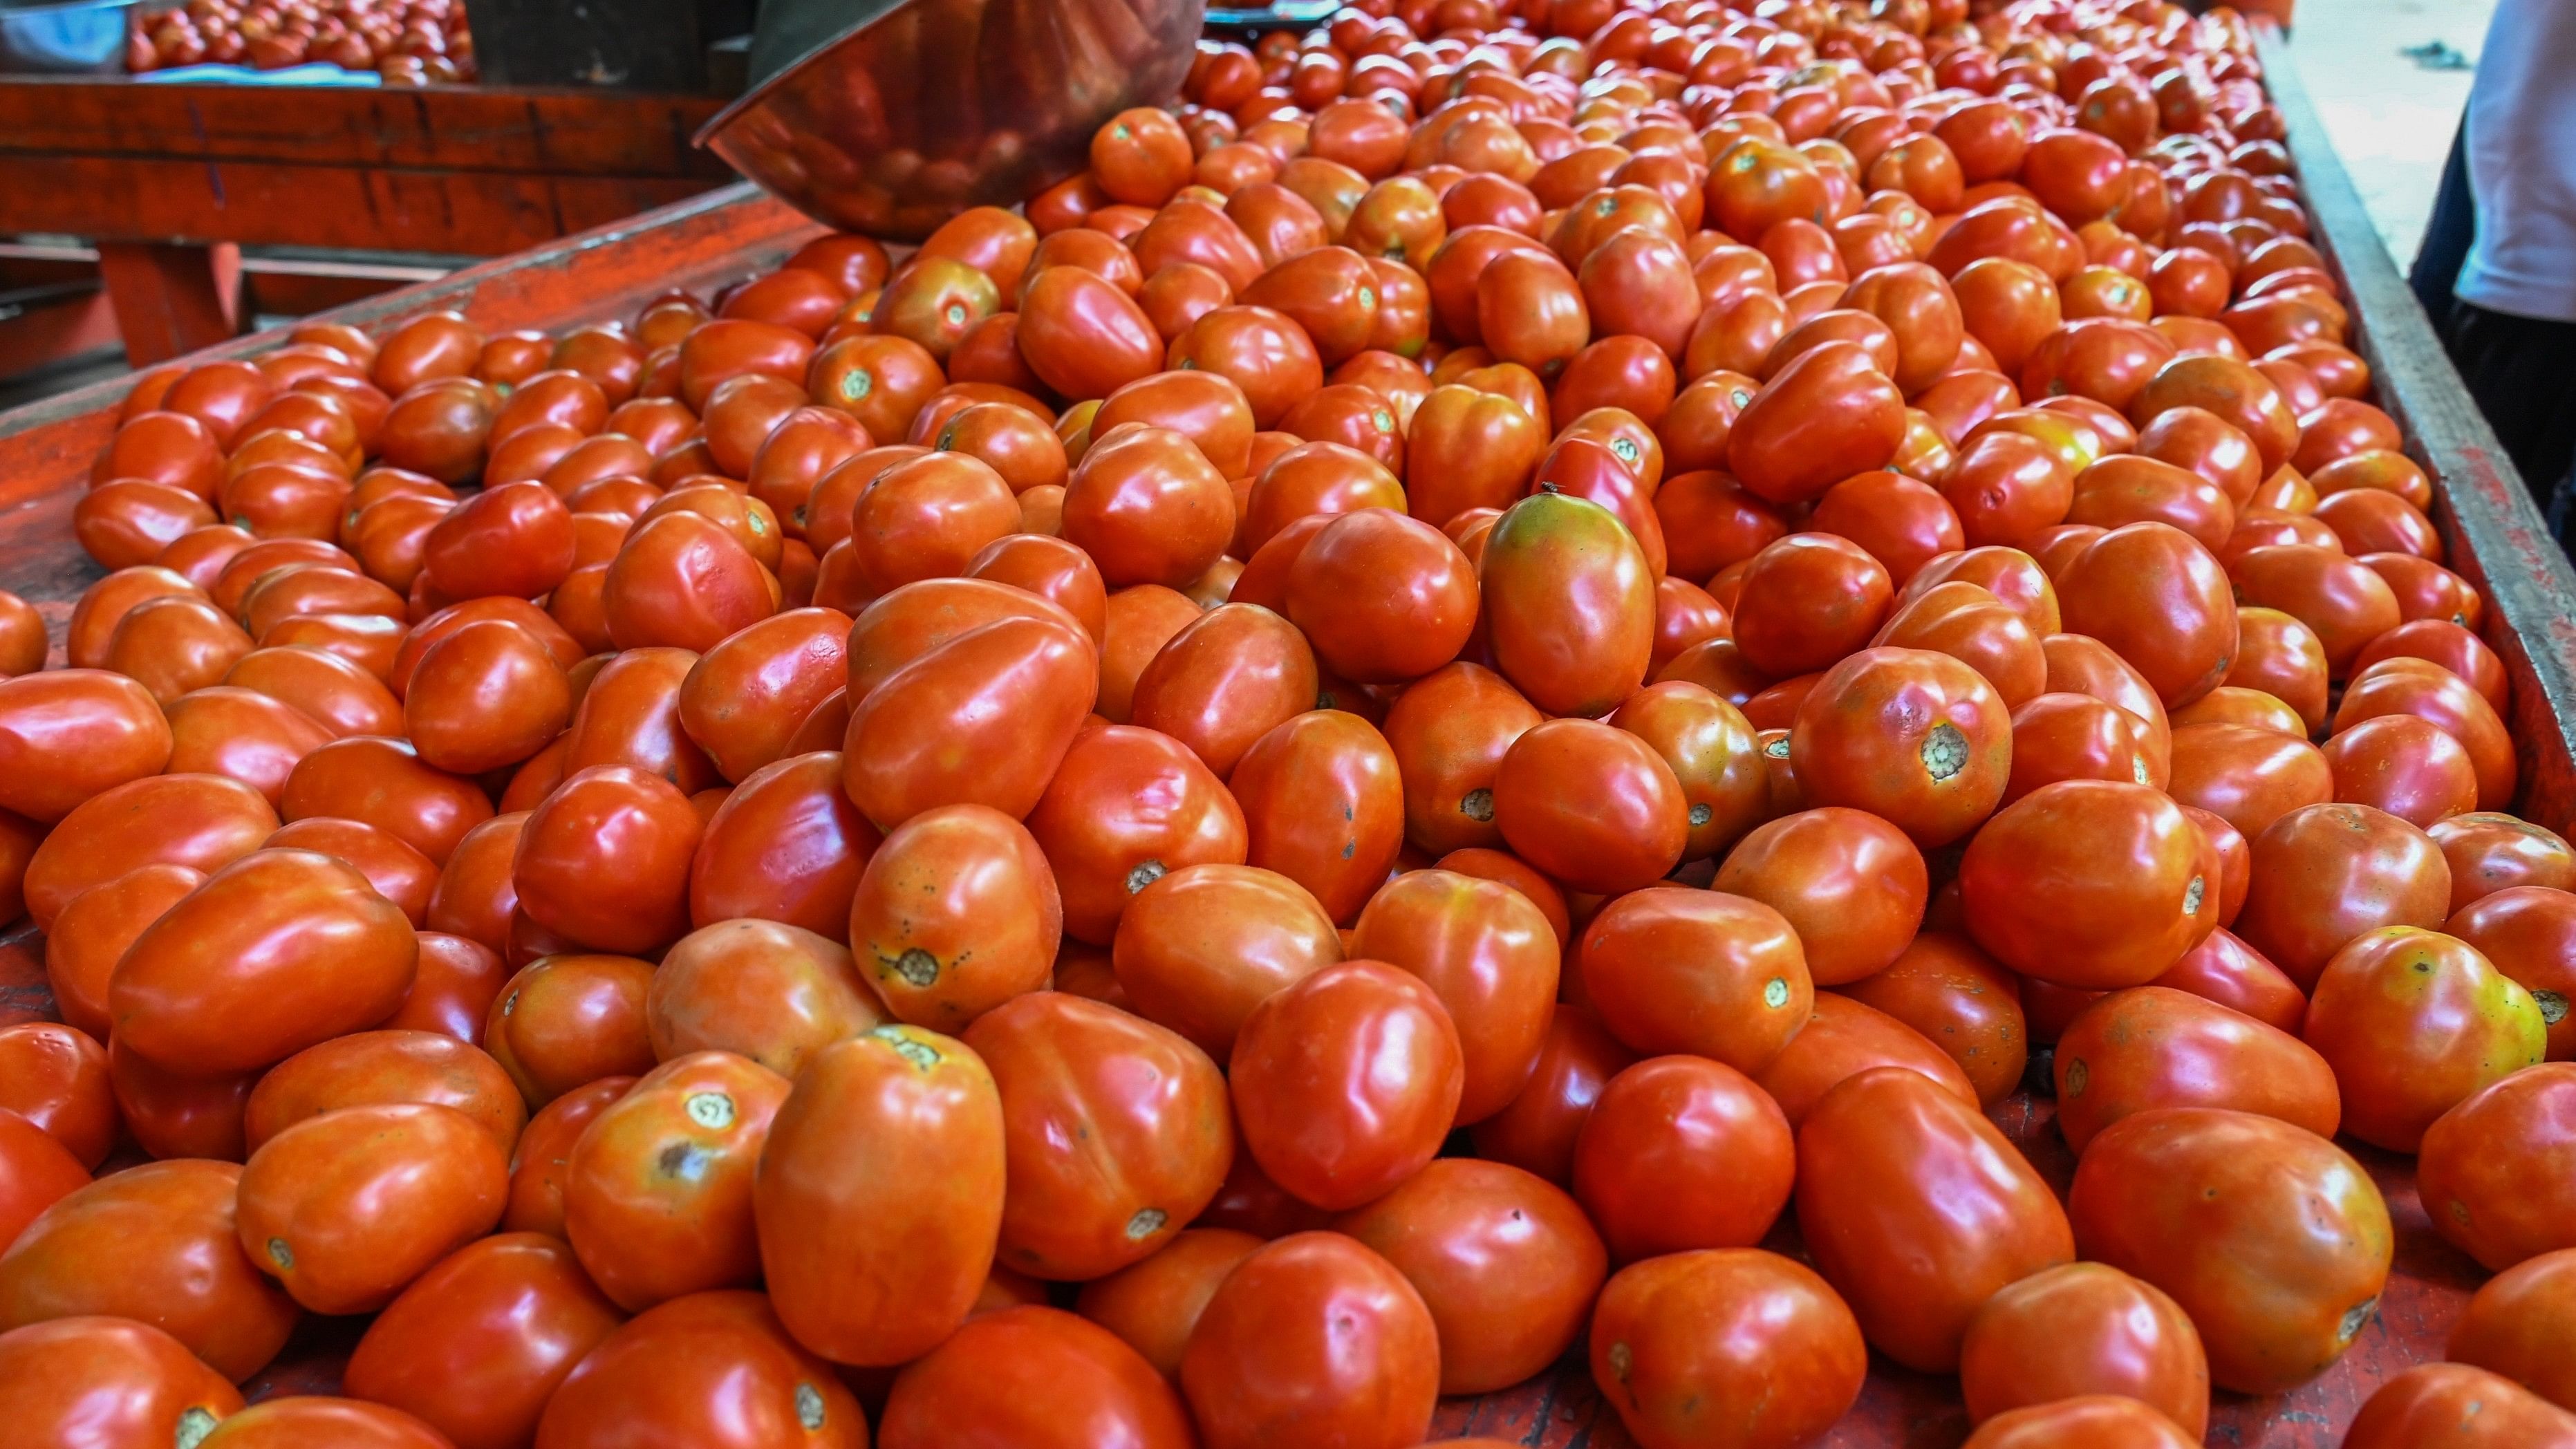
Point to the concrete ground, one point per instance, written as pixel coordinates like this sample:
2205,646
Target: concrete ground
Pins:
2391,114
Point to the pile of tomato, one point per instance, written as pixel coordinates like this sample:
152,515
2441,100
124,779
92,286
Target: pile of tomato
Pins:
1351,757
408,42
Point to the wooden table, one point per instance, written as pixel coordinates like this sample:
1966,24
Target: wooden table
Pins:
171,180
2492,530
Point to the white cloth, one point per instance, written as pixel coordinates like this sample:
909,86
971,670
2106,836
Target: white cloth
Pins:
2521,152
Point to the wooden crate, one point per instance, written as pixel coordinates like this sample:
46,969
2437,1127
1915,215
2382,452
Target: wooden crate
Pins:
2493,532
170,180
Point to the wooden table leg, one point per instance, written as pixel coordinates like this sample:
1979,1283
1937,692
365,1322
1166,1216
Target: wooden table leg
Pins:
172,299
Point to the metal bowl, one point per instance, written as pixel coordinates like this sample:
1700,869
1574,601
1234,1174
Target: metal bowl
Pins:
889,118
63,37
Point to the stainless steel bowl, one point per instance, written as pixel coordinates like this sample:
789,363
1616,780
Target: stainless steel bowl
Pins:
63,37
889,118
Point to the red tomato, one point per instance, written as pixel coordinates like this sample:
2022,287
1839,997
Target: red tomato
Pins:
1313,1339
1728,1346
476,1345
1569,605
348,1207
1682,1153
2038,893
2455,1404
712,1369
2152,1046
2079,1330
1490,956
2268,1236
1036,1376
108,1380
1746,993
2487,1168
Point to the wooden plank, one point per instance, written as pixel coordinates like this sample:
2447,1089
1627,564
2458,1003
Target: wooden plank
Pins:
172,300
364,208
2494,532
77,318
463,128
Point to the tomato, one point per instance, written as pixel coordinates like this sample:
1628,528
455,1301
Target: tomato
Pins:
564,1022
107,1380
1731,1346
1323,804
1036,1376
2434,694
374,1068
604,860
1826,416
2324,874
1919,1209
1841,594
1383,597
480,1342
346,1208
69,735
1679,1153
2487,1168
1960,1000
154,1243
1313,1339
2413,1022
1467,448
1592,805
1569,605
2342,600
2079,1330
910,745
41,1172
56,1078
2487,853
1116,1131
544,1153
2152,1046
657,1195
2037,892
715,1370
233,976
2458,1407
879,1196
1746,994
2112,1421
2268,1236
955,912
1915,737
384,783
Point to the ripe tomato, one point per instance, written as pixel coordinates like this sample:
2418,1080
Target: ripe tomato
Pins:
2152,1046
1449,731
370,1068
2324,874
956,912
1154,1304
1035,1376
712,1369
1383,597
2037,894
1916,738
765,990
1569,605
2512,1324
1729,1346
348,1207
1744,993
2472,1163
1323,804
2084,1329
565,1021
1319,1107
915,741
1682,1153
476,1345
157,1244
2413,1022
56,1078
2448,1403
2272,1240
879,1196
657,1191
1116,1133
1313,1339
108,1380
1961,1001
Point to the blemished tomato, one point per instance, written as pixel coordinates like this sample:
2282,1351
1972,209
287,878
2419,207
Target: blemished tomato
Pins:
657,1192
1323,804
1313,1339
1731,1346
2272,1239
2413,1022
879,1195
1116,1132
2457,1404
1916,738
956,912
1961,1001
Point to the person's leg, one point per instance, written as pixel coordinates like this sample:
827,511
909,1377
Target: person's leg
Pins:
2518,369
2448,232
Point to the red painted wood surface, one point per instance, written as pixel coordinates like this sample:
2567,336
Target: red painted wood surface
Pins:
172,298
44,458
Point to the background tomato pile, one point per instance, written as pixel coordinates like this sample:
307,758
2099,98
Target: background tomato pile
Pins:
410,42
1344,760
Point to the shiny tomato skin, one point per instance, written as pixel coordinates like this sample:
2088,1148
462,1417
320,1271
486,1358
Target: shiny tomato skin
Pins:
373,1067
157,1244
1681,1153
1197,949
657,1192
1449,731
1383,597
786,846
348,1207
771,992
1313,1339
544,1155
67,735
2414,1022
709,1371
604,860
1808,600
2082,1329
2106,1421
1116,1131
2152,1046
41,1172
1959,999
272,954
2491,1168
1569,605
1443,1230
956,912
2456,1406
2158,598
107,1381
1491,957
2513,1322
2038,894
1126,806
1538,1129
1323,804
1731,1347
2272,1239
476,1345
1916,738
1320,1108
879,1197
198,822
1826,416
1033,1376
1591,805
55,1076
984,718
1224,681
2324,874
564,1022
1921,1209
1704,972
